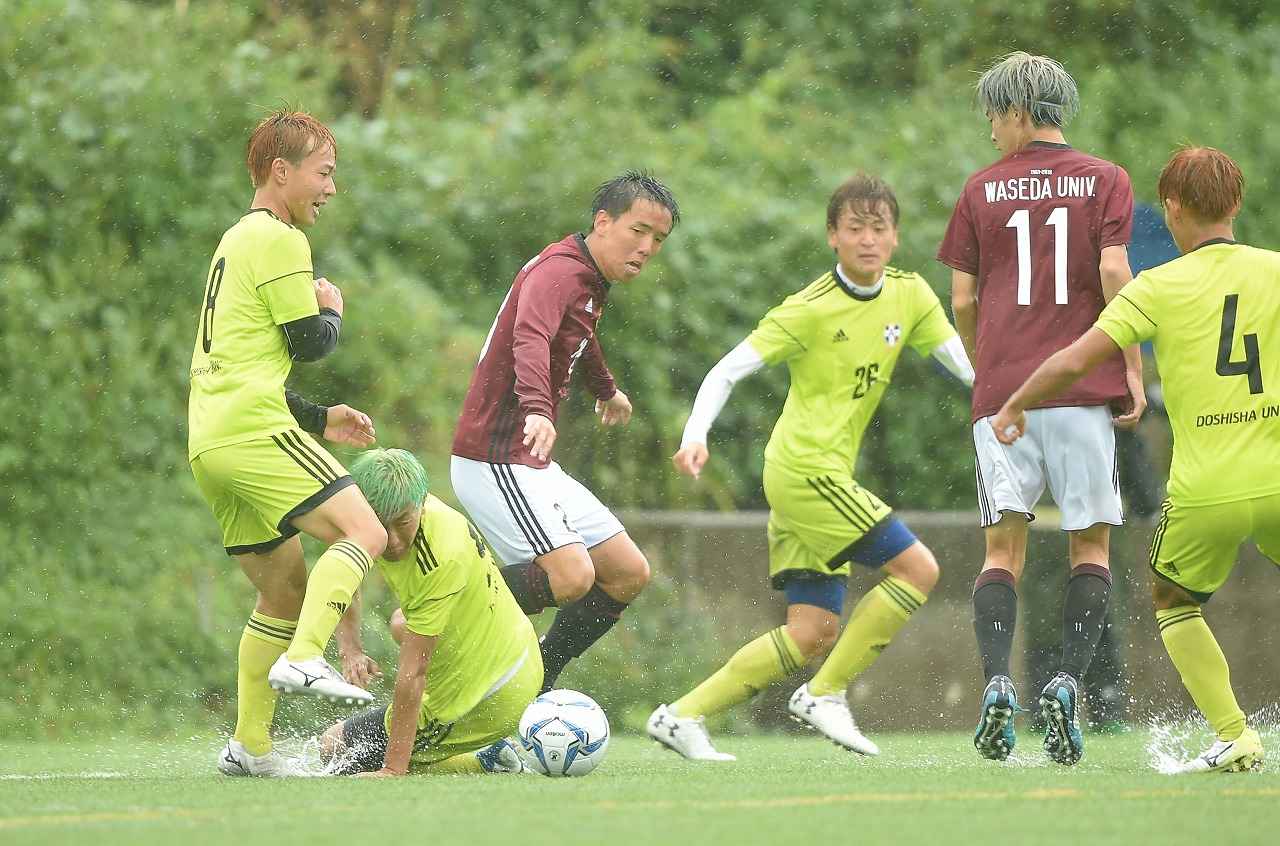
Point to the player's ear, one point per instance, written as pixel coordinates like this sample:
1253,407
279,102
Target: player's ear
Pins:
831,237
280,170
601,221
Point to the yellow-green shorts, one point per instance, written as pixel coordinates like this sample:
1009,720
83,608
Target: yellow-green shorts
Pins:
814,520
256,488
1196,547
366,734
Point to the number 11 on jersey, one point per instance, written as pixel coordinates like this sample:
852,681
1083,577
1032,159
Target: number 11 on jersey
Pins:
1021,222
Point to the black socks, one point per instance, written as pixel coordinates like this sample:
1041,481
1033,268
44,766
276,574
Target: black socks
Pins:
576,627
530,586
1084,614
995,611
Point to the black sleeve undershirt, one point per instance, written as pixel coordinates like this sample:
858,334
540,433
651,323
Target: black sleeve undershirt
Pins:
312,338
311,417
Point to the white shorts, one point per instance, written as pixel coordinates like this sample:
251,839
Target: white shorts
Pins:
525,512
1072,450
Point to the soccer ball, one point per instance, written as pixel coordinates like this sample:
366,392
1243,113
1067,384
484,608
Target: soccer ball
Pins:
565,733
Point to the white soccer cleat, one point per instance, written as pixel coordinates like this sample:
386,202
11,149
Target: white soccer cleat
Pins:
234,760
501,757
830,715
1229,756
315,677
686,735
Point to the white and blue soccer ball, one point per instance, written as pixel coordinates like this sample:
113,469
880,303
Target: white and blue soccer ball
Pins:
564,733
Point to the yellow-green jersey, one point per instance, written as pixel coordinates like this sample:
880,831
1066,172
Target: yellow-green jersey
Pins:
260,278
841,351
1214,317
449,588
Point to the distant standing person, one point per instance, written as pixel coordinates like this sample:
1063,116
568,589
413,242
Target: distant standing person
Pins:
561,545
1214,315
1038,245
264,477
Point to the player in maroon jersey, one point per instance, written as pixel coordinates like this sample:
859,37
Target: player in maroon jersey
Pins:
1038,244
560,544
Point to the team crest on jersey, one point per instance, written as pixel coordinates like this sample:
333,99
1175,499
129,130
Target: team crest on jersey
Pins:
892,334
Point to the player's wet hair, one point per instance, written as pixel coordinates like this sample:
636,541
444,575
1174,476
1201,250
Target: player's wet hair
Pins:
1204,181
284,134
392,480
1036,85
862,194
618,195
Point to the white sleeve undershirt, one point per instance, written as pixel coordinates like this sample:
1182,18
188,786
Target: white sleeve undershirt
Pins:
741,362
951,355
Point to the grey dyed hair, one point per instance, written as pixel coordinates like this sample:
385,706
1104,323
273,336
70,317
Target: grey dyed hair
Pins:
1036,85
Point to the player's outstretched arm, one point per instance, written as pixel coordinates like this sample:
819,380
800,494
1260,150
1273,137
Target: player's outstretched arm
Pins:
1113,269
741,362
1059,372
357,667
411,681
951,355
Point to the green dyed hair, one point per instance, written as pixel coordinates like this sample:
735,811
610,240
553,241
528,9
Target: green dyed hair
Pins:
392,480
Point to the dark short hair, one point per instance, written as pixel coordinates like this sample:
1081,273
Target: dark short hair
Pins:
618,195
862,194
1205,181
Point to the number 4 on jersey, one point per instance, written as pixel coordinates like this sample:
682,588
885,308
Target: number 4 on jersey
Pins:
1252,363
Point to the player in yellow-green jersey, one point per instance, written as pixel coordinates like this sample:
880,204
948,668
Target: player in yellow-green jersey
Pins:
251,447
1214,318
469,658
840,338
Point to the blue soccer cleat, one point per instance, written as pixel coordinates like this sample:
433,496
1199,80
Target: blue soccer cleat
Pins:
994,737
502,757
1063,742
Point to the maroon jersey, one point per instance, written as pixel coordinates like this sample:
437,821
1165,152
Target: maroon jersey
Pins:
1031,228
545,325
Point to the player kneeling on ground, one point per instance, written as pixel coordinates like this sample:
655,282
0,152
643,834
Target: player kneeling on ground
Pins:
469,658
1214,316
841,338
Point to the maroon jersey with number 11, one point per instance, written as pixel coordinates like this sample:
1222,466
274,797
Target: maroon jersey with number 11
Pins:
1031,228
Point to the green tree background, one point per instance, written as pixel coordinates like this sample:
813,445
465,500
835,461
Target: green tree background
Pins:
472,133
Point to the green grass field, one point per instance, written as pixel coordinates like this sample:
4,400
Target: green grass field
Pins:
783,789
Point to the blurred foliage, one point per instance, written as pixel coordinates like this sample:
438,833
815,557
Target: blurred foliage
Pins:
471,134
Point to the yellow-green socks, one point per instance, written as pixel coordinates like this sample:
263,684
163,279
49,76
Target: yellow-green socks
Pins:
757,665
332,583
875,620
1195,652
465,764
264,640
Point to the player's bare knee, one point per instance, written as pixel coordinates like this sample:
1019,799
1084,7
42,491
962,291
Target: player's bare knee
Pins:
371,536
917,567
397,625
813,638
626,582
571,581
